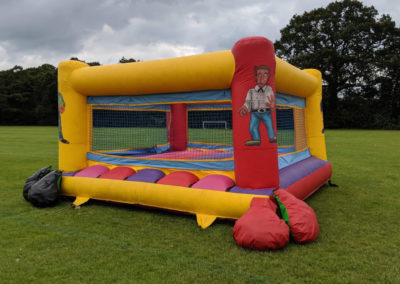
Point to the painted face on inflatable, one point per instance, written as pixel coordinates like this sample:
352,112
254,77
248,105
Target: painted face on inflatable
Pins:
61,104
61,109
262,77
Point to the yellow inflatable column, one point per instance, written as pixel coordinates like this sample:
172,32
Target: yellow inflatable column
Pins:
314,119
73,120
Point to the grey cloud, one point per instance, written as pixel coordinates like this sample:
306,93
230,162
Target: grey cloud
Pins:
52,31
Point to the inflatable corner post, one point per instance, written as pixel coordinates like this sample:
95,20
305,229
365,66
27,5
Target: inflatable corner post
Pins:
314,118
256,161
73,120
202,134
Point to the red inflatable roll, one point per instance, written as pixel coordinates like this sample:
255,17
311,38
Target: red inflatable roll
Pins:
179,178
120,173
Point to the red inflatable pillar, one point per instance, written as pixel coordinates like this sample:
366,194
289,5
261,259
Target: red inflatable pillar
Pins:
178,127
254,114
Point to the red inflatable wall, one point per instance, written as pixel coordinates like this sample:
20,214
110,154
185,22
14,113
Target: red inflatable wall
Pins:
303,188
253,108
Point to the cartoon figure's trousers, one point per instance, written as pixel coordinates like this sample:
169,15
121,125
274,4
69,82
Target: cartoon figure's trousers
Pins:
255,119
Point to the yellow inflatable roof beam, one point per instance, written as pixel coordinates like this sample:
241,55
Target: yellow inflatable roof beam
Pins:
209,71
294,81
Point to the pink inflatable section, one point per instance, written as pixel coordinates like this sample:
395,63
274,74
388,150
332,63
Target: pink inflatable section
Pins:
215,182
93,171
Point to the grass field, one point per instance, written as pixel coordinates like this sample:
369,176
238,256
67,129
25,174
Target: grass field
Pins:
359,240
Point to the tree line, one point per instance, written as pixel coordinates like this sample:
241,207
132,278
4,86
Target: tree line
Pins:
358,54
29,96
356,50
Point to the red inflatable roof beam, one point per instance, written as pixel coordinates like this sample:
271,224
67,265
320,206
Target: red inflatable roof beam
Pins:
179,178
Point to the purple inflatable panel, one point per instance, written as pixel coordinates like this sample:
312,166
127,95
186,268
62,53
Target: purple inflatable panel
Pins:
299,170
267,191
69,174
147,175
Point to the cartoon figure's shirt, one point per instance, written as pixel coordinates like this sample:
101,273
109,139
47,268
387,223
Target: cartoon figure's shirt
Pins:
259,98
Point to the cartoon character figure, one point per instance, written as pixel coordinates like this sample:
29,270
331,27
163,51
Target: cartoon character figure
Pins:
61,109
260,102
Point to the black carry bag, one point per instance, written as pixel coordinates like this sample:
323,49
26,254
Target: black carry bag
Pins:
44,191
34,179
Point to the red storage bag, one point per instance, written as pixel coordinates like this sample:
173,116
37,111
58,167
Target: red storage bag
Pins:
260,228
298,215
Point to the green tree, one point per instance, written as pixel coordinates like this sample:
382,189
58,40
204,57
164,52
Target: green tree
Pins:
15,90
124,60
94,63
44,89
28,96
389,78
347,42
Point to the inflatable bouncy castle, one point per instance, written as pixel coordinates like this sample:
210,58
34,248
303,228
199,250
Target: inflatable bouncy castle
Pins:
201,134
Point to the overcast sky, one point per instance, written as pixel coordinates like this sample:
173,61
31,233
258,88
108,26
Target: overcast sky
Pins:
34,32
